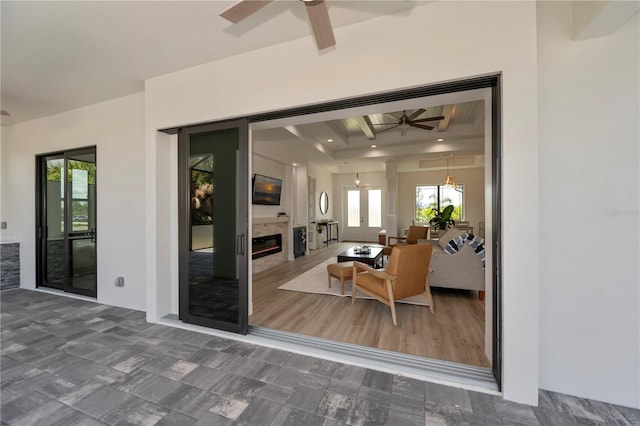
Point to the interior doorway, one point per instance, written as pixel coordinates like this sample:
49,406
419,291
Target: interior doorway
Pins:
66,221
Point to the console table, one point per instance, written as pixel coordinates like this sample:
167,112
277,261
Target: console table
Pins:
330,226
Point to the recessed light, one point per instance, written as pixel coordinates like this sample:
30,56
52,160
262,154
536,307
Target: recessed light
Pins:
373,146
294,164
329,140
440,139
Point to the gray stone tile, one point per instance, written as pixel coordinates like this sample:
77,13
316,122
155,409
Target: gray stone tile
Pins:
209,357
239,348
270,355
288,377
335,406
77,418
31,384
372,414
447,396
406,386
259,411
631,414
158,365
290,416
155,388
204,377
512,412
100,402
342,387
549,416
610,413
300,362
575,406
481,419
275,393
80,392
144,415
305,398
228,407
179,369
374,395
173,418
238,387
407,404
120,412
401,418
436,414
48,412
189,400
330,369
378,380
243,366
211,419
17,405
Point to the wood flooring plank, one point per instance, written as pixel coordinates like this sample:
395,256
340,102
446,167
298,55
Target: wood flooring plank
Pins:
455,332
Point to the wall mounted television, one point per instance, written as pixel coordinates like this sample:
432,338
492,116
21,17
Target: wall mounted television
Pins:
266,190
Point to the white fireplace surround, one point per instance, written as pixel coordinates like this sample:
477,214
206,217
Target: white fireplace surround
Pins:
263,226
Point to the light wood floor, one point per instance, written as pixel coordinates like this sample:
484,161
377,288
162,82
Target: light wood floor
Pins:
455,332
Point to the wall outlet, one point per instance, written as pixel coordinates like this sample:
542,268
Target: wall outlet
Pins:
3,225
119,282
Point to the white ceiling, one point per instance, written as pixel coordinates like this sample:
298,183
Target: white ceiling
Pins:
61,55
58,56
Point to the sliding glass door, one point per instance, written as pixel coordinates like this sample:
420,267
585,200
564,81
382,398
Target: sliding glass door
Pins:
66,216
213,215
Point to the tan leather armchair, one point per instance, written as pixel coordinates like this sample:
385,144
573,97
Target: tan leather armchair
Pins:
405,276
415,233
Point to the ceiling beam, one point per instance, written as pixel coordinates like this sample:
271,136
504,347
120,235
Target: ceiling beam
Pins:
593,19
448,111
365,125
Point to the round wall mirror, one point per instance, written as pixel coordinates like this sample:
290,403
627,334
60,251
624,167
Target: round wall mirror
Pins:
324,202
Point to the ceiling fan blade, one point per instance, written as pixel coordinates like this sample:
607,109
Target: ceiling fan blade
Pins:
422,120
386,124
393,116
5,113
420,126
388,128
416,114
320,23
243,9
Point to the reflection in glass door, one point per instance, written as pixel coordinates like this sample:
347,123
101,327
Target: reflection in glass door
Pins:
66,228
213,219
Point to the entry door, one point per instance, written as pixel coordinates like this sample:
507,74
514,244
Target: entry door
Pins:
362,213
213,216
66,221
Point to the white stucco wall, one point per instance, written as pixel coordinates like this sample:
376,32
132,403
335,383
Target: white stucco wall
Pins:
474,38
116,128
589,130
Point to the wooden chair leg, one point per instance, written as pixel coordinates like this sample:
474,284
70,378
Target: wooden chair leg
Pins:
341,285
329,280
427,292
392,304
353,291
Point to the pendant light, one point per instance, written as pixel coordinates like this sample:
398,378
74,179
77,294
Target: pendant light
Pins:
357,181
449,180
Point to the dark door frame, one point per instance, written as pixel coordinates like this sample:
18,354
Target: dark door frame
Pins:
493,82
184,224
41,221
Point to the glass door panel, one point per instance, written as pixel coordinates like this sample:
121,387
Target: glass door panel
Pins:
66,255
363,212
81,187
54,227
213,224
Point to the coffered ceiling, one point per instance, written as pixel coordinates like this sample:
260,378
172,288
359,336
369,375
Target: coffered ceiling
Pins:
358,139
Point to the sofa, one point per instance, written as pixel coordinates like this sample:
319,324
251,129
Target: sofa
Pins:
463,270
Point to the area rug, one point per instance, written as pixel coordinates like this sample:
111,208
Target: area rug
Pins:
315,281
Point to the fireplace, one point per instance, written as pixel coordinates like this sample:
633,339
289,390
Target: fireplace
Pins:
266,245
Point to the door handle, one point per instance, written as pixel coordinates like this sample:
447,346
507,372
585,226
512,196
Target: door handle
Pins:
240,245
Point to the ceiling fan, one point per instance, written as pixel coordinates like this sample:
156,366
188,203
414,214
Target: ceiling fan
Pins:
404,121
316,10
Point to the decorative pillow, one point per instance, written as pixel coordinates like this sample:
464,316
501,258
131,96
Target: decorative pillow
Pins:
451,234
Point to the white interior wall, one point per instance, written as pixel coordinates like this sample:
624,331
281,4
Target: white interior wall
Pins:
117,129
473,180
589,97
497,37
324,183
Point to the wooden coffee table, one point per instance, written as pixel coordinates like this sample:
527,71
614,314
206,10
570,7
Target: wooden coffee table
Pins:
370,258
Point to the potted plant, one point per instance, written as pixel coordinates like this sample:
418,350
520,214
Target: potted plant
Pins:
442,219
